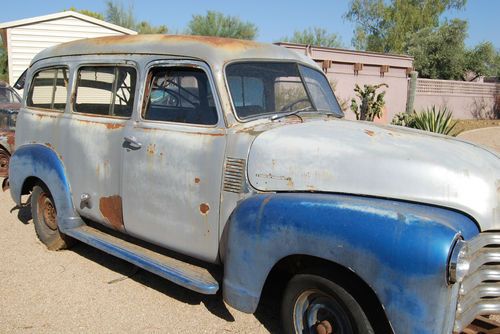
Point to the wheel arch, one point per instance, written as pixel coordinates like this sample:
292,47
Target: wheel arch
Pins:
36,163
294,264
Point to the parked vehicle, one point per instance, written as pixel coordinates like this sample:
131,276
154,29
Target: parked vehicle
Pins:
233,155
10,102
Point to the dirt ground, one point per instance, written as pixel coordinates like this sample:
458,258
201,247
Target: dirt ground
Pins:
85,290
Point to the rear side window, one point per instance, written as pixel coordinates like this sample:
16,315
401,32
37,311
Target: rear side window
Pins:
49,89
105,90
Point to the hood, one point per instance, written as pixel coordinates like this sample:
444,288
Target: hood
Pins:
384,161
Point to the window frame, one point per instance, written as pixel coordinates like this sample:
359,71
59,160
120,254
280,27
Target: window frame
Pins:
145,90
115,64
29,95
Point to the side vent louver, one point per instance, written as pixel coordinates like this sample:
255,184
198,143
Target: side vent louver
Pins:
234,175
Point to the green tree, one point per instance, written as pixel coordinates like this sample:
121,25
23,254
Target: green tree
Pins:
482,60
4,68
218,24
90,13
385,26
116,13
315,36
440,52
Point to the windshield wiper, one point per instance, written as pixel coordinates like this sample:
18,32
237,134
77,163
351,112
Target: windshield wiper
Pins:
290,113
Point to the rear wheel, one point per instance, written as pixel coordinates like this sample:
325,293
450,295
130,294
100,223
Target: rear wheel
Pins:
314,304
44,215
4,162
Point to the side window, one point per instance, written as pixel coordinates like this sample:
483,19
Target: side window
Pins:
179,94
49,89
105,90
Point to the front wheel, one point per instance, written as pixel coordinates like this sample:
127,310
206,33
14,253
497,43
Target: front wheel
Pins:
313,304
44,215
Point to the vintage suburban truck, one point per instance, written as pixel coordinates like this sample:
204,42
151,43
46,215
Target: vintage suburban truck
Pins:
224,164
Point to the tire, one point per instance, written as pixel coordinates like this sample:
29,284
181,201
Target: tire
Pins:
315,304
44,215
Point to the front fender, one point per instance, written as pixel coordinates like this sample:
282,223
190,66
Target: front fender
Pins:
40,161
398,249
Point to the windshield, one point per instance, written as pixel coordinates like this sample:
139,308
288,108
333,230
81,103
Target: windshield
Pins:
259,88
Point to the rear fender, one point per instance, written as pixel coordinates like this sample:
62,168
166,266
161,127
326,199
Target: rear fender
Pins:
43,163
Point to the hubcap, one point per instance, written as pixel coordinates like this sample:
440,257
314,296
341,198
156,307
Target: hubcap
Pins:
316,312
47,211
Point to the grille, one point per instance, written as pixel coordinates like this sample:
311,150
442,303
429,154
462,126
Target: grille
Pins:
234,175
479,292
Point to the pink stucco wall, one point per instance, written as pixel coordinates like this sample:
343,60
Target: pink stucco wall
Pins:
467,100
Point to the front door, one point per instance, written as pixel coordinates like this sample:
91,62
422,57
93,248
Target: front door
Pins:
173,161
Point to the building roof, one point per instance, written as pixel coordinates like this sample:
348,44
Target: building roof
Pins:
350,56
213,50
64,14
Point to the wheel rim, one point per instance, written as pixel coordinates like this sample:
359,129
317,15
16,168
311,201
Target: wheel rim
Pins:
318,312
4,163
47,211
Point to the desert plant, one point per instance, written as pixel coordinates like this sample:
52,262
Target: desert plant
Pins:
371,103
404,119
438,120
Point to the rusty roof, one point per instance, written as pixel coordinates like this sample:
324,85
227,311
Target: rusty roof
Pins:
213,50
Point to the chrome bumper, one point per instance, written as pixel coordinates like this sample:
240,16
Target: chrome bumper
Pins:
479,293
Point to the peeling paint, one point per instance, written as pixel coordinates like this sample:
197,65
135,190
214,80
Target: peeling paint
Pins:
370,133
111,209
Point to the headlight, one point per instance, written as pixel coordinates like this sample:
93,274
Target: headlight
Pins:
459,264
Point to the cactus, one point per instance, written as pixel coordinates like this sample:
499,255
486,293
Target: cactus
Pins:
371,102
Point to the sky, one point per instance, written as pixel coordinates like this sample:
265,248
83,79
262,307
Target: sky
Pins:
274,18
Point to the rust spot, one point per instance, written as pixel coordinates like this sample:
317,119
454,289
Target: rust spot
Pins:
144,40
111,209
204,208
113,126
48,145
370,133
197,180
151,149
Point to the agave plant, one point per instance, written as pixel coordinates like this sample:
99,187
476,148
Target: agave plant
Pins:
438,120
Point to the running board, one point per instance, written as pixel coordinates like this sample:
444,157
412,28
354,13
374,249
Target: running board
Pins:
185,274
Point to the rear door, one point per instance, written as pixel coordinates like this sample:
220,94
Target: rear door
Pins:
173,161
102,104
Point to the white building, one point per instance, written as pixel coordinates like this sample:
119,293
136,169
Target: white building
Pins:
23,39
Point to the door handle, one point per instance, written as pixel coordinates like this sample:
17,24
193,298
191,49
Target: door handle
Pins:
132,142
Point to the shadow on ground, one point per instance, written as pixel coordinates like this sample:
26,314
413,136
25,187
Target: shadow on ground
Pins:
267,312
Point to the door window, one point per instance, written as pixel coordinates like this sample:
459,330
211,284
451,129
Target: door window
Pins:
180,94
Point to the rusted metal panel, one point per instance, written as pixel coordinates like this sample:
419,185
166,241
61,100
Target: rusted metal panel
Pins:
111,209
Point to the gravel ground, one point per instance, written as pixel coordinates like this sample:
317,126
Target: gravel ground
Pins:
489,137
85,290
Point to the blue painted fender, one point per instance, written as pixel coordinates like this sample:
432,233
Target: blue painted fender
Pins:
40,161
399,249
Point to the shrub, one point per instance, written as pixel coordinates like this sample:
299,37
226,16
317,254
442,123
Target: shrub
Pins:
437,120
